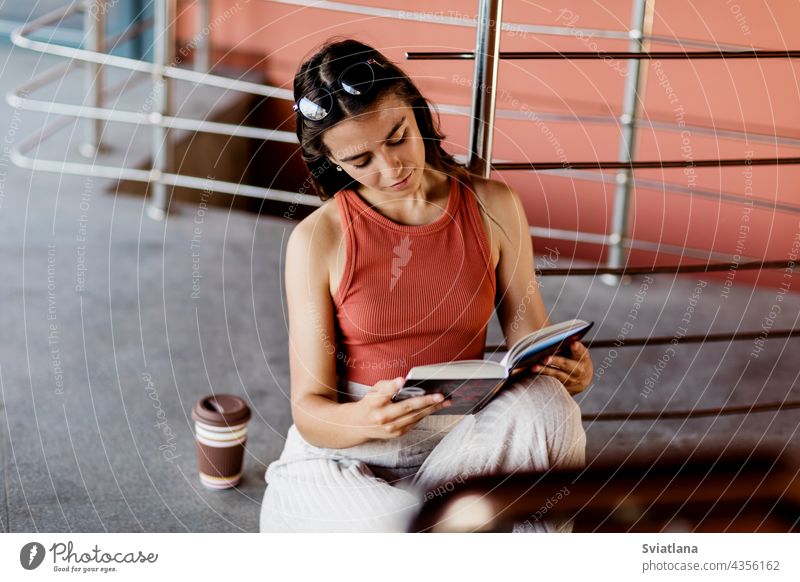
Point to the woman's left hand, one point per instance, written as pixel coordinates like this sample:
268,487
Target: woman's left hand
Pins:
575,372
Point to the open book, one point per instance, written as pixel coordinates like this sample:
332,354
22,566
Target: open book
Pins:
472,384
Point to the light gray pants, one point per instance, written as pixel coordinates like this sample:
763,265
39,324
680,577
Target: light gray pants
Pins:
379,486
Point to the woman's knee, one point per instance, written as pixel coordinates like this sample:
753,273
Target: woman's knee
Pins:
567,445
543,402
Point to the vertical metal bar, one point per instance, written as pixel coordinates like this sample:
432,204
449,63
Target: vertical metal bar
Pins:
94,17
487,57
163,55
202,38
641,20
136,15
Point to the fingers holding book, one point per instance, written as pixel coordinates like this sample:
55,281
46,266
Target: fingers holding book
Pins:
574,372
386,419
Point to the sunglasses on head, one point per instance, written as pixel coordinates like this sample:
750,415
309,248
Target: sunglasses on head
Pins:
356,80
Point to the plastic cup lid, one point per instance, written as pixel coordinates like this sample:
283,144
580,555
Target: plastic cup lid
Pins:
221,410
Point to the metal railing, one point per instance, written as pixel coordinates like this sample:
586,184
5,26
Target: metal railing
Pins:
483,112
162,121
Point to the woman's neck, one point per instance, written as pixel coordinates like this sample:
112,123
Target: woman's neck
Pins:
416,206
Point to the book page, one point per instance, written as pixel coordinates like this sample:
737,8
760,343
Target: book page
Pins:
542,340
460,369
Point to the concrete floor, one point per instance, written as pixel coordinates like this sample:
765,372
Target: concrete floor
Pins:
83,451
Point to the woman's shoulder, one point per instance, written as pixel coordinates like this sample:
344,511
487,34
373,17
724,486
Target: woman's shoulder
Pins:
320,231
498,197
318,239
489,190
321,227
498,209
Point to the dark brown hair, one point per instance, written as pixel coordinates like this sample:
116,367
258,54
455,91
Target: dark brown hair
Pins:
323,69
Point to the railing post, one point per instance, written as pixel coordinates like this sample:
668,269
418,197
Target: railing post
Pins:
94,18
164,55
202,40
641,22
487,51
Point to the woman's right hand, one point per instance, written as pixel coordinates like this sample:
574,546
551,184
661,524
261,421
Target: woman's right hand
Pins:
384,419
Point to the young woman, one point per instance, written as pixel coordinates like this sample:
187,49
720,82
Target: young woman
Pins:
403,268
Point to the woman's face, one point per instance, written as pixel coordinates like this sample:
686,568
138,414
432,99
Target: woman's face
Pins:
382,149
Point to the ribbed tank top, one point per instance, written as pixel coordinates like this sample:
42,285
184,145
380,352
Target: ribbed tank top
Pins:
411,295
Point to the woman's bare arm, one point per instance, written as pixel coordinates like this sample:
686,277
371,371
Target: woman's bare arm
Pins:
520,307
519,304
319,417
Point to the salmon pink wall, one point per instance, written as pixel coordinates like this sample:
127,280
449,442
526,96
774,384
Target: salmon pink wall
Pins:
761,97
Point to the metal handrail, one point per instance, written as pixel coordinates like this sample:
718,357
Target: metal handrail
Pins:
603,55
693,339
691,413
16,99
716,195
577,236
466,21
175,122
670,269
18,157
481,127
19,38
654,164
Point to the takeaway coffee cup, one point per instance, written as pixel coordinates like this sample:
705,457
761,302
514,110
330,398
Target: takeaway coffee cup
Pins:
220,423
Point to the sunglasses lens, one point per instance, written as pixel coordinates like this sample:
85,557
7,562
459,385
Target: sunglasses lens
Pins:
315,106
357,79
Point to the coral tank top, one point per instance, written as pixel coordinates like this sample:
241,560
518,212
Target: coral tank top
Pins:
411,294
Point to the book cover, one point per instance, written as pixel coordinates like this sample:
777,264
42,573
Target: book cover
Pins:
472,384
